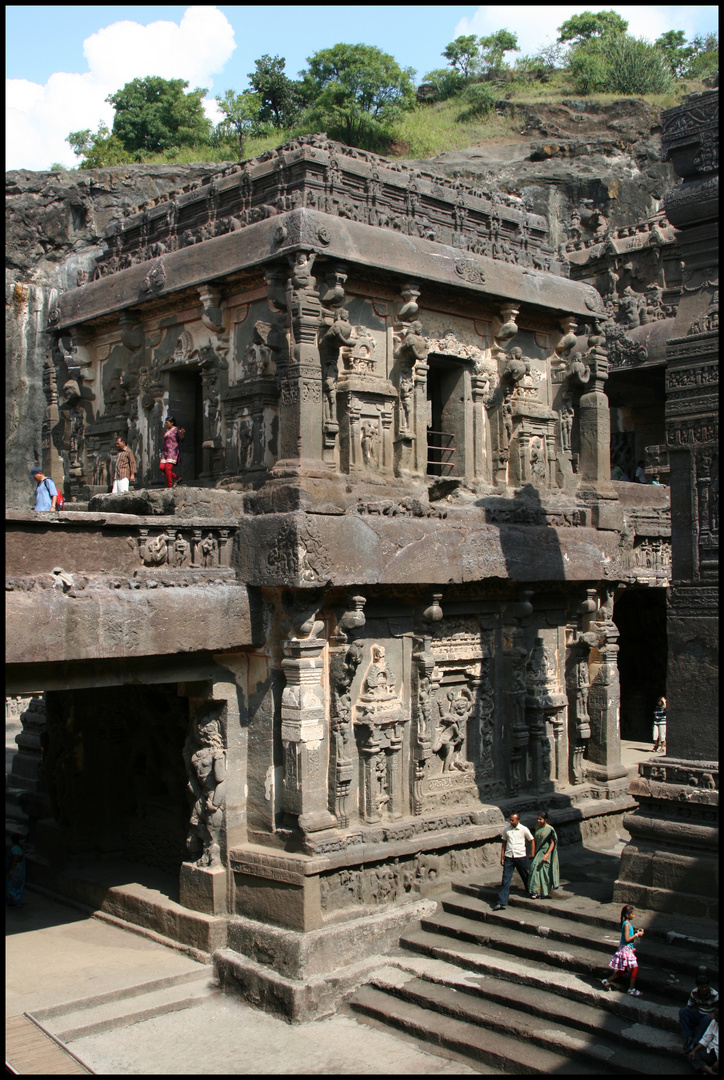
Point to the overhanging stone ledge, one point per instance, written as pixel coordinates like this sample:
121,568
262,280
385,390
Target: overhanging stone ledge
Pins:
355,242
351,549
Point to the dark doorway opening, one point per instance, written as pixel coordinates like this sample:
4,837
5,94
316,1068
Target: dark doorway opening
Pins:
115,773
640,615
637,400
185,404
445,419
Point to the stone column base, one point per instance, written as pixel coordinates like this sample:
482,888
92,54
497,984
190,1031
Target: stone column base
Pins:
672,860
304,976
203,888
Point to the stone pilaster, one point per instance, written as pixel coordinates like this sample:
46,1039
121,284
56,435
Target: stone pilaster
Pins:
379,724
604,698
303,735
595,423
514,675
294,297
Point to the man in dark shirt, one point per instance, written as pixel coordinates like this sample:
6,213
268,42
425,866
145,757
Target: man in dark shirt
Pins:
696,1014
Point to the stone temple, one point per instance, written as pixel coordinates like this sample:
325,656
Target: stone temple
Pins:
397,593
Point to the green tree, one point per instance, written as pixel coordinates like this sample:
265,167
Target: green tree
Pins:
704,60
241,117
677,53
493,48
356,91
588,25
280,96
440,84
154,114
99,149
462,54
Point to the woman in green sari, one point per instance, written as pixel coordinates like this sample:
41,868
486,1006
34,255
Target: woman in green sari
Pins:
543,876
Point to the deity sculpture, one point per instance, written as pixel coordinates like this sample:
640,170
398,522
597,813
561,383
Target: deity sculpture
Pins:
450,735
206,768
208,550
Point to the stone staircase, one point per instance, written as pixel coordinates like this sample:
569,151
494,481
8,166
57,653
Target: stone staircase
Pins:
520,989
130,1005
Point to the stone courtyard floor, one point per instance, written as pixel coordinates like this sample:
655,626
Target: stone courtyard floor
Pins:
55,955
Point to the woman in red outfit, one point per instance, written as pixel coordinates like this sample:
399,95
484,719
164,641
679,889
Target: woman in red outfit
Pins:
171,452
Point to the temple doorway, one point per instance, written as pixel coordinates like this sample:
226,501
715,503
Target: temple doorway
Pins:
185,404
114,767
640,615
445,418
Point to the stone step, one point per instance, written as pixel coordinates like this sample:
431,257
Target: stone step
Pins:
586,1033
493,1048
507,938
669,964
80,1019
135,907
606,917
543,972
125,992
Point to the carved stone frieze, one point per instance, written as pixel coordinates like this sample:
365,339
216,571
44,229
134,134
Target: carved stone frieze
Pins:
300,552
355,185
183,547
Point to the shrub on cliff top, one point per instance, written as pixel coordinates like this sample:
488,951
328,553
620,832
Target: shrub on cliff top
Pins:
619,64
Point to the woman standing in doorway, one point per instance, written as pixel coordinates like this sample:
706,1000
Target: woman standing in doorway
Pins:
171,453
544,875
660,726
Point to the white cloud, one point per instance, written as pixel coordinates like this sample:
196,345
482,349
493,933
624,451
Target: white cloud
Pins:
40,117
537,26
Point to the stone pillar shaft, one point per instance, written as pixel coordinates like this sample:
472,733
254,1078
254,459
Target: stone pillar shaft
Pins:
303,735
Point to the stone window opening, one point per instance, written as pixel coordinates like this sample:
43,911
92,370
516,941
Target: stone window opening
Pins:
445,418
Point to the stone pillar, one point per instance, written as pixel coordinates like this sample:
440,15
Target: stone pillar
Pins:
303,726
293,296
423,692
671,862
410,351
514,679
52,463
595,423
26,796
344,659
604,699
336,334
544,702
578,691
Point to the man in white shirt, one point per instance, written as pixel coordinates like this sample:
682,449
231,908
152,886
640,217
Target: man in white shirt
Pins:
708,1061
513,857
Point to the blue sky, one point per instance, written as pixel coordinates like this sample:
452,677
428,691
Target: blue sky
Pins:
63,61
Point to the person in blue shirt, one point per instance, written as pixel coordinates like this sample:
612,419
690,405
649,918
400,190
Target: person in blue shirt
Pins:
46,494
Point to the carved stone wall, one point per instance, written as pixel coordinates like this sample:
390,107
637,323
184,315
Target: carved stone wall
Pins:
671,861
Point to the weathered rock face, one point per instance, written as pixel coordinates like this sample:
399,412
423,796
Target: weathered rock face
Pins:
573,151
54,222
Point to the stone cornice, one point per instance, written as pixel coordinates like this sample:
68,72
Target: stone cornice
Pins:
336,238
